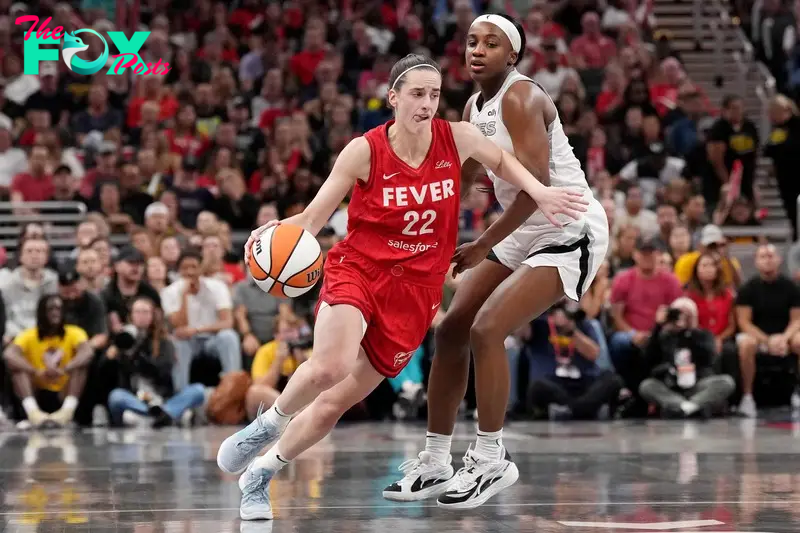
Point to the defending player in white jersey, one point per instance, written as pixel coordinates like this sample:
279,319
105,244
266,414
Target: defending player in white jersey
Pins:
514,279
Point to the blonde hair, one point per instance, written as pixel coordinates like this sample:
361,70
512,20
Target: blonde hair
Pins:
785,103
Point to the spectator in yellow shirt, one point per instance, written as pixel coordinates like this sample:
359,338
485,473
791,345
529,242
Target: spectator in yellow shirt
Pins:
276,361
712,241
49,365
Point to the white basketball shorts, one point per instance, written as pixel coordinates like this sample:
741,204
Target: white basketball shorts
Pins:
577,249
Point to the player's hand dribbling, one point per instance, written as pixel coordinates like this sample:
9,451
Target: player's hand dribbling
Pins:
468,256
561,201
255,234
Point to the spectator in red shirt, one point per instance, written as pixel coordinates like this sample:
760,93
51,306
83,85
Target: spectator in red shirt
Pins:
151,89
613,90
592,49
636,296
36,185
304,63
106,170
184,138
714,299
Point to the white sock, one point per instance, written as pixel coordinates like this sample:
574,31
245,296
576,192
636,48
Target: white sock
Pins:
70,404
30,405
276,417
490,445
271,461
438,446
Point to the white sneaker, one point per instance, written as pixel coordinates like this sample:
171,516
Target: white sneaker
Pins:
479,480
99,416
423,478
747,407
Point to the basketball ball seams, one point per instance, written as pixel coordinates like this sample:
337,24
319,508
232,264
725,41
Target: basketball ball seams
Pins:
255,268
316,264
289,255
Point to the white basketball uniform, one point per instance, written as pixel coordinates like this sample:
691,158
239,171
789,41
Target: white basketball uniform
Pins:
579,247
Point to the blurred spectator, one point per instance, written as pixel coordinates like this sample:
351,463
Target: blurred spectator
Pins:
712,241
591,49
276,361
105,170
774,34
50,97
733,137
146,358
569,384
684,129
126,285
48,364
23,289
713,298
13,161
214,265
255,313
636,296
83,308
64,188
191,199
783,147
635,214
35,185
105,254
156,273
89,268
99,116
553,74
170,252
768,313
653,170
200,311
694,214
624,248
667,218
235,205
133,199
681,355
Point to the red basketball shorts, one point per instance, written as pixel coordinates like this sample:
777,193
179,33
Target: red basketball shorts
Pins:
397,311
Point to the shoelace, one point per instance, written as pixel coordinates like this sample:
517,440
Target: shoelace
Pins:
466,476
256,438
412,468
260,493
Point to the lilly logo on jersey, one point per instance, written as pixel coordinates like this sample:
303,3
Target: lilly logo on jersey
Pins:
33,53
401,358
443,164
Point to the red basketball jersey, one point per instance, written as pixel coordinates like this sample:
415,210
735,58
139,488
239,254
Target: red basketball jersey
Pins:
406,216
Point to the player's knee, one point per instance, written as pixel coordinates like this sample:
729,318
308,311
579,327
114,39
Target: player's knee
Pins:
326,375
485,331
453,330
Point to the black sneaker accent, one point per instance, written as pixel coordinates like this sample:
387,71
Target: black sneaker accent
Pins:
419,484
447,498
163,420
394,487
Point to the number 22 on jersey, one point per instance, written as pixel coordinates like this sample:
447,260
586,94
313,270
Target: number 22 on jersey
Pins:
413,218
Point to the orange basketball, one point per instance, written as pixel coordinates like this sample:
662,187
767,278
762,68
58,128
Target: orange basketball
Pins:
286,261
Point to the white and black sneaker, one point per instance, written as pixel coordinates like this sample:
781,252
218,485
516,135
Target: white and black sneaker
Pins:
423,478
479,480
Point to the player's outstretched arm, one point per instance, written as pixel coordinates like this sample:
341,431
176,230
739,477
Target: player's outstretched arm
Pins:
351,165
551,200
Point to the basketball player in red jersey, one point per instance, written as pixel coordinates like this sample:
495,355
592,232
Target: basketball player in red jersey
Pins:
383,283
523,264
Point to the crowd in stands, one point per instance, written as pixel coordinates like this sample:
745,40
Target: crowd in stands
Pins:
260,98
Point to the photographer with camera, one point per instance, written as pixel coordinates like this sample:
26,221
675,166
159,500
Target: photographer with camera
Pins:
680,355
146,357
276,361
572,386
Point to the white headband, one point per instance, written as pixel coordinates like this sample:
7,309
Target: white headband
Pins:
504,24
409,69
